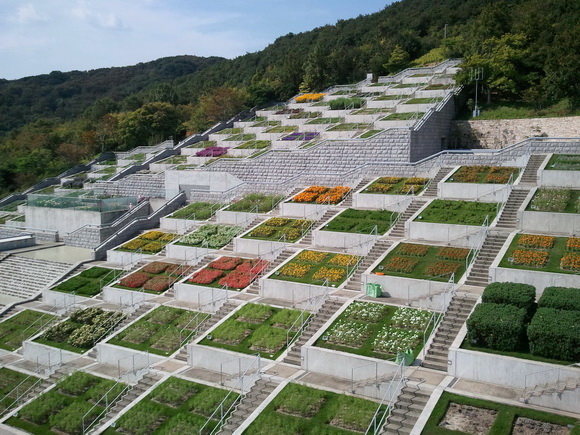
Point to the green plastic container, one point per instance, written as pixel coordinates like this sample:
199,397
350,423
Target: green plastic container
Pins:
374,290
407,357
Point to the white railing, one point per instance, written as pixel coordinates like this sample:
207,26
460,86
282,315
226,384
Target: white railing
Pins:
541,380
436,316
477,244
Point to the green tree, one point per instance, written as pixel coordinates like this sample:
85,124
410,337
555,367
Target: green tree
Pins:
398,60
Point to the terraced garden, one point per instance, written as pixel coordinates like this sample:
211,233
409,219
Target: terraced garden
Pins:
397,185
278,227
20,327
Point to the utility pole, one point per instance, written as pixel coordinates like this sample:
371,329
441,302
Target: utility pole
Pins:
445,32
476,74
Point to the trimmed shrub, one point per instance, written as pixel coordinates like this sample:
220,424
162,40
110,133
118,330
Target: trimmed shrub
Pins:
555,334
511,293
497,326
560,298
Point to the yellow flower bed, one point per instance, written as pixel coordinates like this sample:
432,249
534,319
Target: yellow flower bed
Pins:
343,260
310,97
312,256
151,235
331,273
133,245
296,270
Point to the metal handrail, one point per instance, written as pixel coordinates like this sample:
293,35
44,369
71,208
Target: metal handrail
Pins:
436,316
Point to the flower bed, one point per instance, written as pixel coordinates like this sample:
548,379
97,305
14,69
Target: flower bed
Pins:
255,203
445,211
484,174
89,282
413,260
161,332
62,409
212,152
275,228
155,277
82,330
555,201
216,236
544,253
16,329
361,221
256,328
376,330
313,267
177,406
564,162
321,195
298,136
200,211
150,242
397,185
309,97
235,273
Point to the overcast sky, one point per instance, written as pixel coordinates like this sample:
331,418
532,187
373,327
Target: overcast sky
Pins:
40,36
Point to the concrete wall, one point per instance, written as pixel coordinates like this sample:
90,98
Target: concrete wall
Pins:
551,178
127,259
470,191
123,357
235,217
61,299
292,292
461,236
377,201
405,288
175,181
540,280
357,244
121,296
191,254
210,298
17,242
265,249
549,223
212,358
46,355
302,210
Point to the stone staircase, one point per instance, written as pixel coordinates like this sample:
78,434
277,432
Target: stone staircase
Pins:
399,229
530,174
9,312
479,273
407,409
230,246
253,398
348,201
307,239
431,191
379,248
509,217
456,315
223,311
569,384
325,312
254,288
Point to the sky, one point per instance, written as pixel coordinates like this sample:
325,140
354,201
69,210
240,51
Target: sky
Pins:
40,36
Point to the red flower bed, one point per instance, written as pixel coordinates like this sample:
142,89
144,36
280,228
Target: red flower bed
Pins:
401,264
158,283
442,268
236,279
453,253
226,263
206,276
413,250
135,280
570,262
179,270
156,267
526,257
255,267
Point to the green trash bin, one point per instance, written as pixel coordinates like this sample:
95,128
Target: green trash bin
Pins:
374,290
406,357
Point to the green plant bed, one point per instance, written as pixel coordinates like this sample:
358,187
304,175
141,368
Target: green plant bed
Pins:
408,85
403,116
306,115
275,228
265,123
397,185
257,328
387,98
555,201
325,121
241,137
314,267
369,133
254,145
82,330
377,330
89,282
445,211
438,87
230,131
161,332
200,211
9,380
350,126
61,410
255,203
504,419
564,162
231,273
216,236
362,221
423,100
484,174
137,157
282,129
344,103
434,263
203,144
299,409
176,406
370,111
154,278
174,160
16,329
150,242
542,253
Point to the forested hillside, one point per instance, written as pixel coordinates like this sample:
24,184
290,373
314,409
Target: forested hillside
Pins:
529,51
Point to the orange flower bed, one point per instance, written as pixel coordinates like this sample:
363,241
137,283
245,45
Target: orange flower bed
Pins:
570,262
526,257
401,264
322,195
536,241
312,256
573,244
453,253
442,268
309,98
413,249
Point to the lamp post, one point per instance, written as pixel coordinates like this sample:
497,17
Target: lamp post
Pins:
476,74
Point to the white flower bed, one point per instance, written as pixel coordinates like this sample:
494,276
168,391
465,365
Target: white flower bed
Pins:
392,340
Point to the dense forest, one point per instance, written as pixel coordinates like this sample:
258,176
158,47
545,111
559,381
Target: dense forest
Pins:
529,51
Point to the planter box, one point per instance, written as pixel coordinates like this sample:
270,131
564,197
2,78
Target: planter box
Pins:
288,291
398,203
125,358
461,236
211,299
302,210
46,355
62,300
357,244
266,249
549,223
235,217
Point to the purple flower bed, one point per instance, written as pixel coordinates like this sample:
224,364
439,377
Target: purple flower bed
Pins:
212,152
301,136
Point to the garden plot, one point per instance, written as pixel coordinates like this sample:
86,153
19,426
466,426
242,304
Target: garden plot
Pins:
196,244
302,409
257,328
452,222
12,385
221,278
177,406
69,408
552,211
389,193
355,230
23,325
558,171
245,210
187,217
271,236
399,120
486,183
140,248
307,275
313,201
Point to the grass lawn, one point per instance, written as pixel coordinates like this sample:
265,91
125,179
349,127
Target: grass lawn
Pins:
325,121
203,144
483,174
256,328
61,409
16,329
564,162
445,211
376,330
349,126
435,263
254,145
256,203
89,282
176,406
403,116
241,137
362,221
387,98
314,267
160,332
555,201
230,131
408,85
274,228
282,129
303,410
9,380
520,110
424,100
305,115
369,133
200,211
527,255
504,420
397,185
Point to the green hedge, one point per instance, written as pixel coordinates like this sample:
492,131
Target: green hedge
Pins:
560,298
497,326
555,334
511,293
